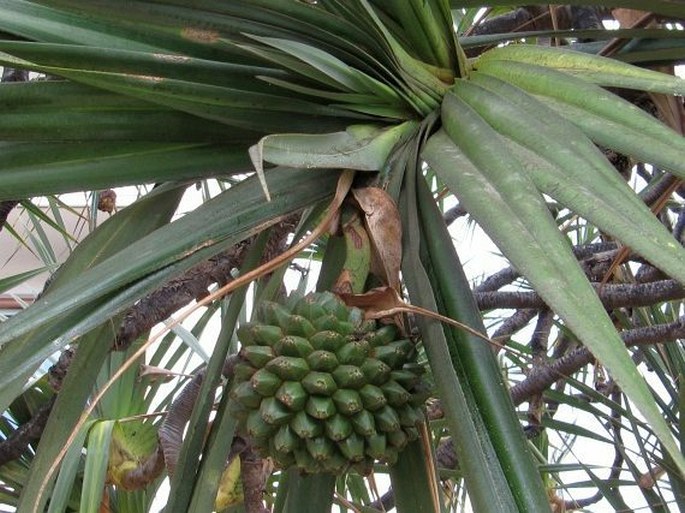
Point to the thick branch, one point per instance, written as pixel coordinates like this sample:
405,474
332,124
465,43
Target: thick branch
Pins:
588,252
545,376
140,318
16,444
523,18
176,294
514,323
611,295
453,214
15,75
192,285
254,475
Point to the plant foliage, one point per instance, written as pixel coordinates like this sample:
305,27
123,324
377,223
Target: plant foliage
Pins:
519,114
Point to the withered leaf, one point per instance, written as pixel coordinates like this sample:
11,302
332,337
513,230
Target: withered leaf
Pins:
382,220
386,302
378,303
380,299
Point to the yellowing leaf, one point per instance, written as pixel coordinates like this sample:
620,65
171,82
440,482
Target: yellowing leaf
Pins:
230,490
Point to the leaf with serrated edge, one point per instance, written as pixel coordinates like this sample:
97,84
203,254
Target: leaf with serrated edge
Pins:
603,116
600,70
496,191
517,115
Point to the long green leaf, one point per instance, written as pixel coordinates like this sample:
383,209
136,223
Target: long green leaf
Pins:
68,407
12,281
310,493
29,19
107,59
63,111
183,483
507,205
600,70
487,483
112,236
92,297
341,74
97,458
516,114
605,117
241,108
598,37
214,459
478,363
65,480
51,168
220,438
411,485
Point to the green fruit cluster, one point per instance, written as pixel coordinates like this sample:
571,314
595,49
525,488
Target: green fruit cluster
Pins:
320,388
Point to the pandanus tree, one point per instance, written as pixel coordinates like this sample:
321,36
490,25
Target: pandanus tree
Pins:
345,123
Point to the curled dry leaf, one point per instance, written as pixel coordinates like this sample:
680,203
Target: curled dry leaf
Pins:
107,201
382,220
379,303
159,373
375,301
386,302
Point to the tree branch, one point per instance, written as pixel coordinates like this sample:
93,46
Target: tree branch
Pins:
18,442
5,209
143,316
546,375
611,295
193,284
514,323
254,475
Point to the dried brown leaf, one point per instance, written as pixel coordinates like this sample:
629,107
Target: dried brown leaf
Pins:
627,17
382,220
159,373
376,300
384,302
